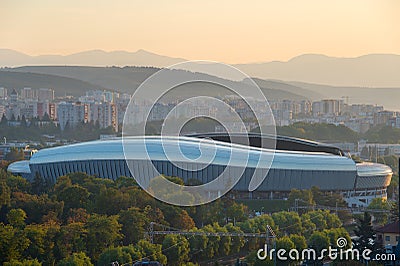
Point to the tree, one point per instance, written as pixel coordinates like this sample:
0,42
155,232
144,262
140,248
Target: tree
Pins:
299,241
236,212
76,259
151,251
380,204
15,155
25,262
225,241
238,242
335,233
74,197
40,185
103,232
134,224
178,217
4,120
284,243
305,197
288,222
197,245
15,183
318,241
36,233
37,207
308,225
5,194
13,243
16,218
71,239
394,212
365,233
114,255
110,201
176,248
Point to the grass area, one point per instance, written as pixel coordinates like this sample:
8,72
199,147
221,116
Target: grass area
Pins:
266,205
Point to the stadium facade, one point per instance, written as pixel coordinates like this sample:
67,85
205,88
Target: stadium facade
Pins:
296,164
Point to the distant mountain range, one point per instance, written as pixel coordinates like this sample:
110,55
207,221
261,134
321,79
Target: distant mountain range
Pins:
374,70
11,58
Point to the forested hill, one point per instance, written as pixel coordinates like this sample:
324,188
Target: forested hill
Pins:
123,79
61,85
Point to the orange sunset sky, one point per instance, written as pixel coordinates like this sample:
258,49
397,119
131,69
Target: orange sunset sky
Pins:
228,31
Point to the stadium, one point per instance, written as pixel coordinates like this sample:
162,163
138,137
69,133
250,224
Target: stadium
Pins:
296,164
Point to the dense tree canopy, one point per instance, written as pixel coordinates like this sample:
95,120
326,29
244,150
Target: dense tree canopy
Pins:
84,220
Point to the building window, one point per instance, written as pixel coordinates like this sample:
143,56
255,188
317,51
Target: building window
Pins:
387,238
397,238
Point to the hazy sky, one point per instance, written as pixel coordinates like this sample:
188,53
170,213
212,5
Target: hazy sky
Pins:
220,30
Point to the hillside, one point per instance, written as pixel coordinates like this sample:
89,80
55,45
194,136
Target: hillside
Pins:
388,97
127,79
61,85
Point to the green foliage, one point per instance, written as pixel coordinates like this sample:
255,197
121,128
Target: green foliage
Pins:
74,197
319,131
72,239
114,254
299,241
16,218
335,233
151,251
14,155
287,222
383,134
318,241
107,220
380,204
134,223
103,232
37,207
24,262
176,248
305,197
82,132
265,205
394,212
13,242
365,233
76,259
285,243
15,183
5,194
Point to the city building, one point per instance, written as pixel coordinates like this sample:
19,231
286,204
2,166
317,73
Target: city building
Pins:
72,113
105,114
388,236
3,93
44,94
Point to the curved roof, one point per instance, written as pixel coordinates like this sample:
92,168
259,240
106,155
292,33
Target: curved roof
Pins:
20,167
200,150
373,169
